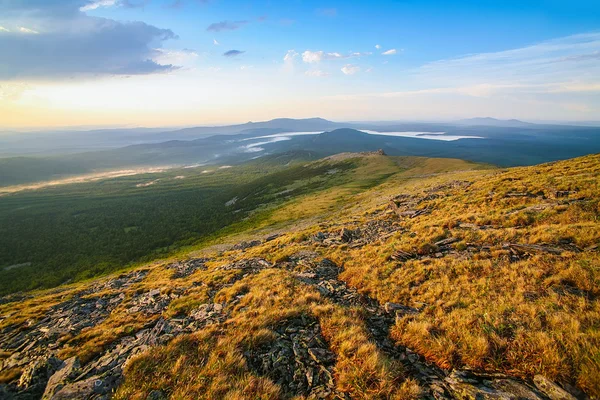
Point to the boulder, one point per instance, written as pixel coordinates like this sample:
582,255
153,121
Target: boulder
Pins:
84,389
551,389
59,379
465,385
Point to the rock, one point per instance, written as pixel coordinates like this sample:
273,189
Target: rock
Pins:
320,236
466,225
400,255
251,265
156,395
346,235
85,389
186,268
392,308
321,356
66,371
297,359
272,237
551,389
465,385
533,248
446,242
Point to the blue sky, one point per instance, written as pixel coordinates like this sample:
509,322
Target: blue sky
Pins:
181,62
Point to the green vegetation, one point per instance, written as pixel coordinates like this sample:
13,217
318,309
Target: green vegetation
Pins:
77,231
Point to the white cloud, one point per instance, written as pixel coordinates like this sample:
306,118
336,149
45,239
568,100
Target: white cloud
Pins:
98,4
316,73
312,56
289,61
389,52
178,57
290,56
215,42
245,67
3,29
558,78
334,55
350,69
377,46
551,65
27,30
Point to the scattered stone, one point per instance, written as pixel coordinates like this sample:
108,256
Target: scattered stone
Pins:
369,232
248,265
298,359
347,235
186,268
562,193
519,194
446,242
532,248
395,308
466,225
400,255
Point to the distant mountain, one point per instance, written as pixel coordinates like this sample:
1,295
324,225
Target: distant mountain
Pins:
280,124
503,146
487,121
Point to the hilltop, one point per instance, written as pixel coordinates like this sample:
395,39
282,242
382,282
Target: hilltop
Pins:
380,278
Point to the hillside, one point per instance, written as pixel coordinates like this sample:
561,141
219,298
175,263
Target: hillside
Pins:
380,278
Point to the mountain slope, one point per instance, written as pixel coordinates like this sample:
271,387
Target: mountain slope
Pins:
417,277
487,121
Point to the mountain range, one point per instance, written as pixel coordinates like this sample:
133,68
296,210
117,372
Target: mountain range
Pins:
487,140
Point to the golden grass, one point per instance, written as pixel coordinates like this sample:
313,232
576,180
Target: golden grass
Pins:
210,363
482,310
536,315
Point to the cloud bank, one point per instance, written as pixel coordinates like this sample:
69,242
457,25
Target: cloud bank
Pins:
55,39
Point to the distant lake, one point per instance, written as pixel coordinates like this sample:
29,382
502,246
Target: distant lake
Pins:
278,137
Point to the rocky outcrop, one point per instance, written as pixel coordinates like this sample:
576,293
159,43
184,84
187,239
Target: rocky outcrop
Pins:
298,360
186,268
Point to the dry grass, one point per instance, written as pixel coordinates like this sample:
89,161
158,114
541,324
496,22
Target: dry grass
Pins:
539,314
210,363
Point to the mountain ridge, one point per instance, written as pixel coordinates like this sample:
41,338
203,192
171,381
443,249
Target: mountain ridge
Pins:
447,277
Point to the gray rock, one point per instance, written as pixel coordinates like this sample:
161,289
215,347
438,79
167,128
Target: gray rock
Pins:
465,385
83,389
59,379
551,389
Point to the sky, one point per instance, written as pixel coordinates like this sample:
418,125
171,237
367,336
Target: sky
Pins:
203,62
